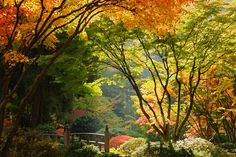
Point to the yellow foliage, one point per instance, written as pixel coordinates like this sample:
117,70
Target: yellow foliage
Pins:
12,57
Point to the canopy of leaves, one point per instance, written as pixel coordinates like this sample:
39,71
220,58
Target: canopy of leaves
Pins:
156,16
167,71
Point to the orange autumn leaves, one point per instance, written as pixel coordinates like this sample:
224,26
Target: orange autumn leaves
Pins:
19,27
8,16
156,16
19,23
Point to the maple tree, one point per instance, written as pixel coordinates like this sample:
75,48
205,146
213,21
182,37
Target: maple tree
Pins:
166,72
26,25
214,112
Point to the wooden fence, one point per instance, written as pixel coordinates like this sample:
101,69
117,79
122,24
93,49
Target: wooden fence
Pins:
100,140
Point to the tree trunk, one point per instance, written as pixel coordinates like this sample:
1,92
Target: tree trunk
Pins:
37,105
5,88
2,115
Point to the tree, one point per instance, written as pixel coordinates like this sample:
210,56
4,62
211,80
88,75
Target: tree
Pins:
165,72
214,113
68,78
28,24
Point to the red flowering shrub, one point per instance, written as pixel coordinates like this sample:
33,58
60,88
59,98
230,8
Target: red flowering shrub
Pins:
60,131
6,123
116,141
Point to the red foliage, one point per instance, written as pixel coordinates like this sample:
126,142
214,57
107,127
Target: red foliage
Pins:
60,131
116,141
8,20
6,123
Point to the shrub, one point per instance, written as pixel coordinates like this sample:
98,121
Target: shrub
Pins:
32,143
130,146
79,149
110,155
88,151
155,149
71,149
202,148
146,150
230,147
116,141
88,123
47,128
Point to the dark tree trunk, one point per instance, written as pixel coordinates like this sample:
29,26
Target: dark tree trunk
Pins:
37,106
2,115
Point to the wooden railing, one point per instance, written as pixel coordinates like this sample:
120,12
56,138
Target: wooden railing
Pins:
100,140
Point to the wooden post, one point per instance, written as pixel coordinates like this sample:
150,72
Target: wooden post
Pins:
107,138
66,134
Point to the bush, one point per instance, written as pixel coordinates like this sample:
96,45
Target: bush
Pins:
202,148
32,143
110,155
47,128
88,123
71,149
88,151
230,147
155,149
117,141
130,146
79,149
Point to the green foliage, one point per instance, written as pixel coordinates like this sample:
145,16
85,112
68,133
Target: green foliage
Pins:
76,67
70,77
230,147
79,149
71,149
47,128
100,106
32,143
160,150
116,132
88,123
110,154
202,148
88,151
131,145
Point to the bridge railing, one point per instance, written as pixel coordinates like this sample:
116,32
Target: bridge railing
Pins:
100,140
